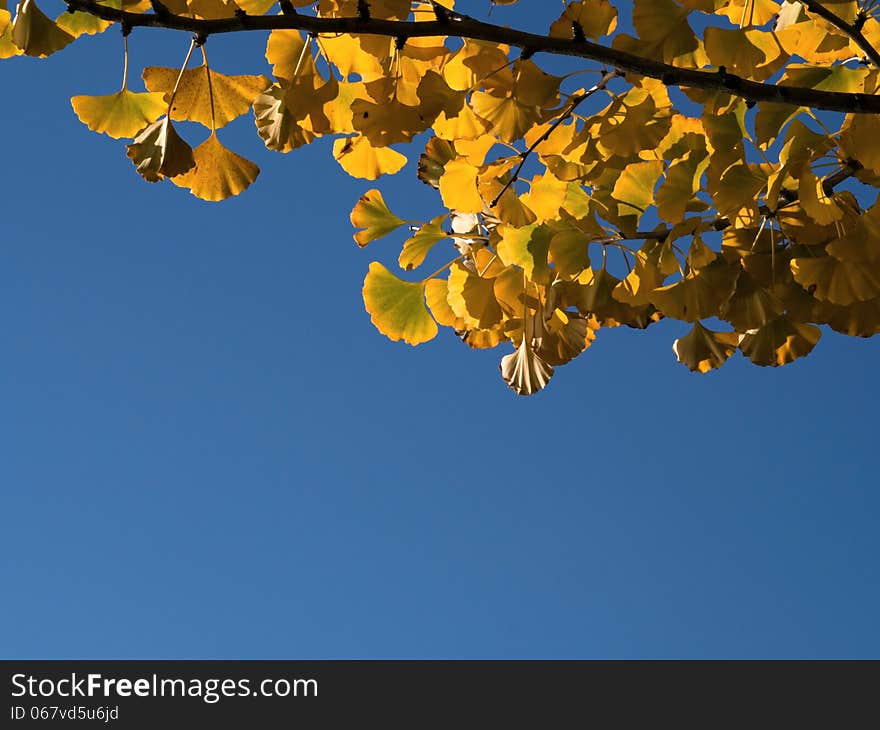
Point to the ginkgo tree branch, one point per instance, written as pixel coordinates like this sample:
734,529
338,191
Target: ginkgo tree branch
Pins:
852,30
461,26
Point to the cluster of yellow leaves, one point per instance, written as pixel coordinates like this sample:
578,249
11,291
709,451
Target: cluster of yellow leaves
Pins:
633,206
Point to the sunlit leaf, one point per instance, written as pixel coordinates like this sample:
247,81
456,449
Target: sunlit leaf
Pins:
703,350
219,173
373,216
122,114
397,308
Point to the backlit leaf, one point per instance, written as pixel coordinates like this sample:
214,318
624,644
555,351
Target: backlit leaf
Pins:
397,308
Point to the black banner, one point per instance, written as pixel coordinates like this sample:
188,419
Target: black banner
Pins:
414,694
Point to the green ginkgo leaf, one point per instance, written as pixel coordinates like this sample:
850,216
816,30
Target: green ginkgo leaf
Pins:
397,308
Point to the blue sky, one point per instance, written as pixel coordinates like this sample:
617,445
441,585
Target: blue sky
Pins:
207,451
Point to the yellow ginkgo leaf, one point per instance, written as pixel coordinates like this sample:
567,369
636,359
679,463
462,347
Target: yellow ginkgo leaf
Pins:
703,350
436,293
815,201
360,159
839,282
373,216
570,251
284,50
527,247
779,342
79,23
232,95
276,126
594,18
122,114
634,188
35,34
159,152
472,298
415,249
8,49
397,308
256,7
458,187
219,173
566,336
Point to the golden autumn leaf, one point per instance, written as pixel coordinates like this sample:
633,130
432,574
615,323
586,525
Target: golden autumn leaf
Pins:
118,115
397,308
779,342
276,126
77,24
360,159
158,151
371,214
703,350
232,95
219,173
472,298
416,248
595,18
458,187
35,34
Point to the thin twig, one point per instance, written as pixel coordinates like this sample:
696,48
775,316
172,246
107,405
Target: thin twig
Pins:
576,101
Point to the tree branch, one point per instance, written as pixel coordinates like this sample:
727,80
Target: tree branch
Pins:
461,26
849,29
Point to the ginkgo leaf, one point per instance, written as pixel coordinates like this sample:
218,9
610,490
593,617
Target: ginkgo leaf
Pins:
593,18
570,252
159,152
524,370
458,187
681,183
436,293
839,282
118,115
472,298
416,248
698,296
373,216
815,201
566,336
527,247
256,7
779,342
78,24
232,95
750,306
219,173
397,308
35,34
284,51
634,188
360,159
703,350
276,126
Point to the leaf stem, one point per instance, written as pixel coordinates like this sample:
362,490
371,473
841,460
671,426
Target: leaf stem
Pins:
192,45
210,89
442,269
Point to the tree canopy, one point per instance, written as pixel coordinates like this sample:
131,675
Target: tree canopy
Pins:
709,161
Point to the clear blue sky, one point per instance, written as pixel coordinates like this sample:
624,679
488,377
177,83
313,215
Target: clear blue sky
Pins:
207,451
